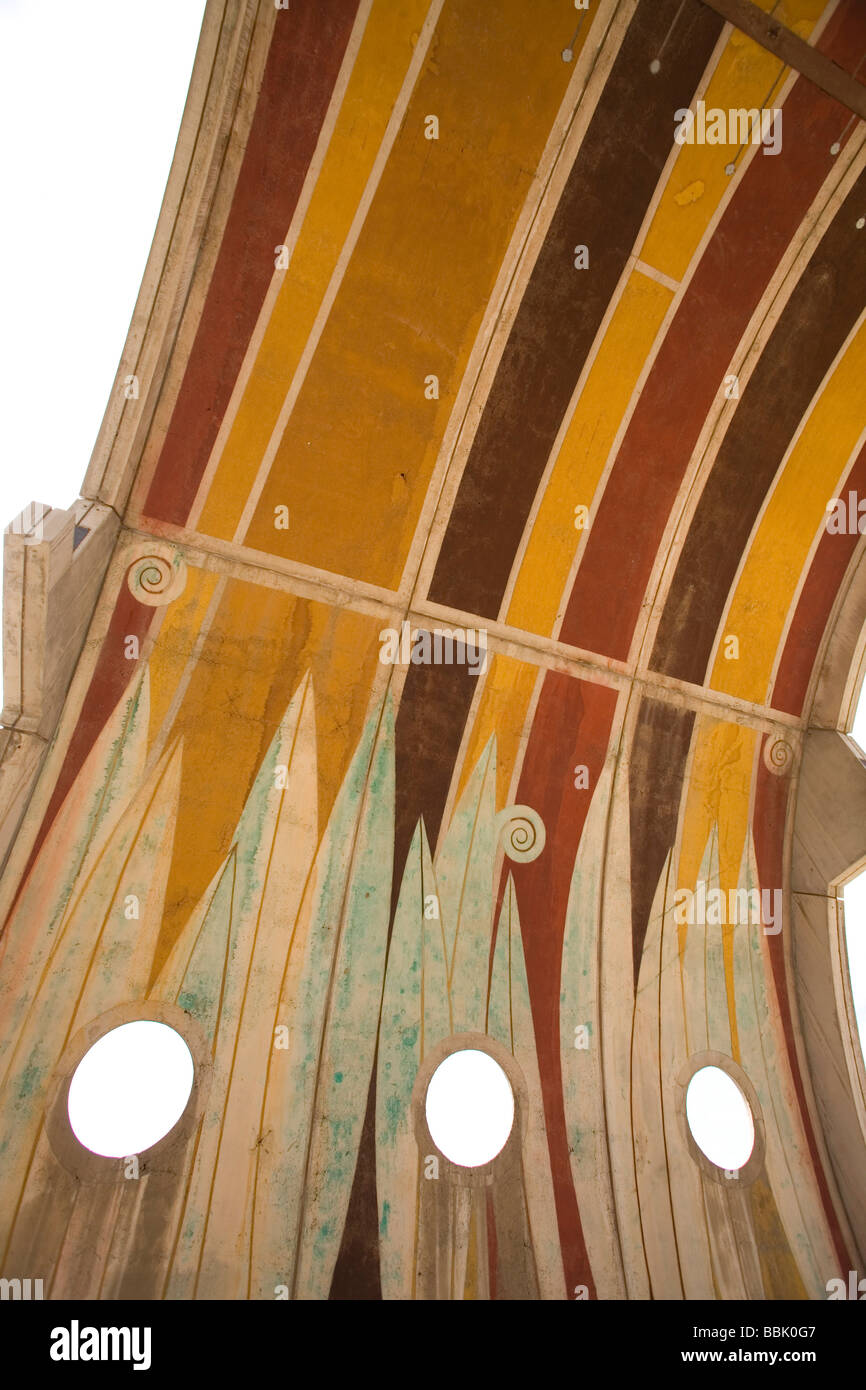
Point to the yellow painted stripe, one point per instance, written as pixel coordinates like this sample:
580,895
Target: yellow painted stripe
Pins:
259,646
380,67
780,547
779,1272
718,793
747,76
501,711
744,77
177,635
358,452
574,479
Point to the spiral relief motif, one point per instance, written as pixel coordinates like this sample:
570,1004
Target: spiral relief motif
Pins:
157,577
522,833
778,756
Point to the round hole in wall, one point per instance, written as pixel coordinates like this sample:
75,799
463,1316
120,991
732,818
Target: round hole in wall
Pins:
720,1118
469,1107
130,1088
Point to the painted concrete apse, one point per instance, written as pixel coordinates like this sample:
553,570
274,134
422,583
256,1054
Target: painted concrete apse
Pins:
455,600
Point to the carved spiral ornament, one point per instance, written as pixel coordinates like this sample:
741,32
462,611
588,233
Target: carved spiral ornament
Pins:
521,831
778,756
158,577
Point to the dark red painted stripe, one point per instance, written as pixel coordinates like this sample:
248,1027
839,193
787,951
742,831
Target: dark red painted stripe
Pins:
602,206
107,684
811,331
306,51
768,823
572,725
687,378
826,573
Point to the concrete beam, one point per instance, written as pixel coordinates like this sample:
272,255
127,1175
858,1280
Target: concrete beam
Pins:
793,51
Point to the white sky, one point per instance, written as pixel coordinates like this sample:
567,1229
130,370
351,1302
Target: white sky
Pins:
469,1107
720,1118
130,1088
91,97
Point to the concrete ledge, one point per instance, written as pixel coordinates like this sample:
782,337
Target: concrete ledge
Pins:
54,564
53,571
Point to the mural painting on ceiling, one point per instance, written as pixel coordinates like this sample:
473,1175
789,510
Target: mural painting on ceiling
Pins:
321,974
327,869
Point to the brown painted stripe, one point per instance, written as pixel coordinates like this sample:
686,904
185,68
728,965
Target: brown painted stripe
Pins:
658,758
433,710
304,59
686,379
768,824
572,725
811,331
602,206
793,50
357,1274
492,1251
814,606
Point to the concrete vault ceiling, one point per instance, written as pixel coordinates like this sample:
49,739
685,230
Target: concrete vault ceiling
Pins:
444,328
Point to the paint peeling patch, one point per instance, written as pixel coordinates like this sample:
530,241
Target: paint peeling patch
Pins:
690,194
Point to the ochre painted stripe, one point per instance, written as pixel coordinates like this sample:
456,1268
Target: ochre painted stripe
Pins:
747,77
377,74
795,511
696,185
260,644
304,58
719,794
809,333
358,451
753,233
501,711
815,605
181,626
580,463
562,307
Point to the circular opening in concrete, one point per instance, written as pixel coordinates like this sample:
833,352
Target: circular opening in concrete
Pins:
720,1118
130,1088
470,1107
